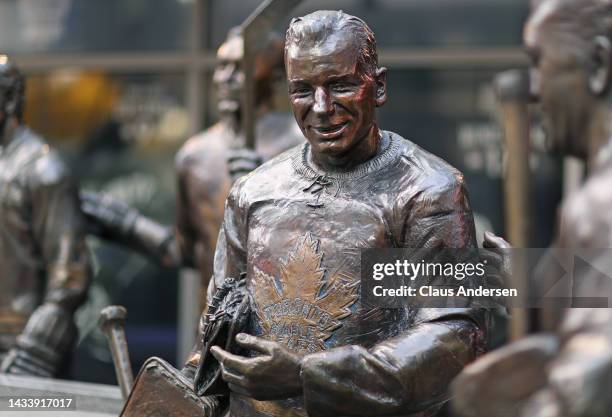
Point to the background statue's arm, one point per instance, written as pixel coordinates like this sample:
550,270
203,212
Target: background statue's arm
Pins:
117,222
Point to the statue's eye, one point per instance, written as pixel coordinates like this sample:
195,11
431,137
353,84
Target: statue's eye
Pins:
301,91
341,88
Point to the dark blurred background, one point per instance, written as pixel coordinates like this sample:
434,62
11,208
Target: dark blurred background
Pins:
118,85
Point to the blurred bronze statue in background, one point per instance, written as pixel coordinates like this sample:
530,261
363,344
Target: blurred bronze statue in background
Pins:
206,166
44,262
293,231
569,373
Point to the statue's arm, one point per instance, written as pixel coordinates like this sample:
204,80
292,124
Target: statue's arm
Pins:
58,227
405,374
117,222
438,216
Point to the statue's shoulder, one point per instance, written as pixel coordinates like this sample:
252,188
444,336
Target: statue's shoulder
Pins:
585,218
426,173
204,148
45,166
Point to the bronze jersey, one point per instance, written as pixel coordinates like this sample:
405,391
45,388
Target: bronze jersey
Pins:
298,233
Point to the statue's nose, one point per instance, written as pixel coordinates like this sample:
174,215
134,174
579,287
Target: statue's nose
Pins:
322,102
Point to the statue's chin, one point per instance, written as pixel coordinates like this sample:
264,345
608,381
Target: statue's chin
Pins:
228,106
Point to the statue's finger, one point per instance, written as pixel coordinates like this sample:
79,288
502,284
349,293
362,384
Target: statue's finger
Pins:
229,360
232,377
256,343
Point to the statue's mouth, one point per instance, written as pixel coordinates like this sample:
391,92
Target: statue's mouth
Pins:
331,131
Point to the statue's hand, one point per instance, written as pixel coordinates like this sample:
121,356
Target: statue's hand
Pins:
273,375
492,241
242,161
41,348
496,253
107,217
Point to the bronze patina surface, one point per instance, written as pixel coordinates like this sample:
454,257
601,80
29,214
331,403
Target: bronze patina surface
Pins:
44,263
296,227
569,43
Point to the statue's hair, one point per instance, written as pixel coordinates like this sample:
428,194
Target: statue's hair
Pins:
12,84
271,49
318,26
582,19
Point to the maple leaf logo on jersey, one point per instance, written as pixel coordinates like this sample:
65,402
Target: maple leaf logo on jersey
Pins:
302,308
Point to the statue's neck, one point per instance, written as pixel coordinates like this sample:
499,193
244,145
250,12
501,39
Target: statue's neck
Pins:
233,118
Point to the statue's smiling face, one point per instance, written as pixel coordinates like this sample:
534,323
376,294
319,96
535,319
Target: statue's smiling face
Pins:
332,99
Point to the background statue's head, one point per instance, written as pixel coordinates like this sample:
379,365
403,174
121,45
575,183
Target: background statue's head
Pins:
229,76
12,92
335,83
569,44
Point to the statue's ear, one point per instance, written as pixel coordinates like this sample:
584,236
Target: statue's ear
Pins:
11,106
599,78
381,86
